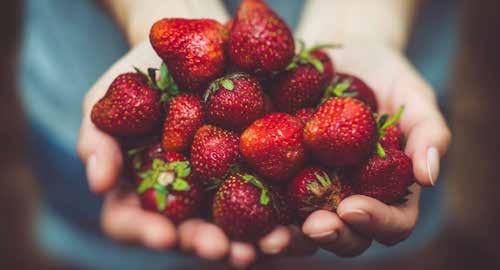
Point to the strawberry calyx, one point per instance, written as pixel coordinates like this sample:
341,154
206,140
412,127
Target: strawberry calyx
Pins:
165,83
339,88
305,57
165,177
226,82
324,190
265,197
384,122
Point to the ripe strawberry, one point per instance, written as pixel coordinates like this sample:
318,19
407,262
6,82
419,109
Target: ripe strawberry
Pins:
169,188
389,133
313,189
185,114
349,85
141,159
259,41
341,132
244,207
304,114
304,82
393,138
193,49
273,146
214,153
130,107
234,101
386,177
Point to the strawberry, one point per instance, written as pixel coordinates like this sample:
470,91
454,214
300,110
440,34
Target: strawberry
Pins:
185,114
259,41
389,133
169,188
304,114
349,85
214,152
385,177
244,207
313,189
130,107
193,49
304,82
273,146
142,158
341,132
393,138
234,101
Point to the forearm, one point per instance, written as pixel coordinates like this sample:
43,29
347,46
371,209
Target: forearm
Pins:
341,21
136,17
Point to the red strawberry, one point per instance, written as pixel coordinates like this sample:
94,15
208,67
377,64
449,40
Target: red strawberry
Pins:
349,85
341,132
130,107
142,158
389,133
169,188
304,82
273,146
304,114
234,101
386,177
214,152
393,138
313,189
244,208
193,49
259,41
185,115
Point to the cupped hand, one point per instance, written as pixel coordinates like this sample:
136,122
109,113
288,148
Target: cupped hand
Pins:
124,220
360,219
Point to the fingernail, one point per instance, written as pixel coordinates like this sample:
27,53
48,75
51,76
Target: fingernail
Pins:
432,164
328,236
356,216
91,171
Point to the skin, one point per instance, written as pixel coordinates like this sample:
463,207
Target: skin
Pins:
360,219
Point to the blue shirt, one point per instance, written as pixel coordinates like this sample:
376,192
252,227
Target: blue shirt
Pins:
67,46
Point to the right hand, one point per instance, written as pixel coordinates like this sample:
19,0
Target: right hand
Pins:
124,220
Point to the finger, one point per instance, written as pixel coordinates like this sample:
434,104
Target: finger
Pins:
186,231
101,155
276,241
99,151
241,255
210,242
300,244
386,224
124,220
332,234
428,136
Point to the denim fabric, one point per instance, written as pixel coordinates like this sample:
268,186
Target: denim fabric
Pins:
67,46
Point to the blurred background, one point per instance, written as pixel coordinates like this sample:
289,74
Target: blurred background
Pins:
471,231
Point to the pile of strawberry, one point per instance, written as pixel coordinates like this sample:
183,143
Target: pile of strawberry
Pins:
238,128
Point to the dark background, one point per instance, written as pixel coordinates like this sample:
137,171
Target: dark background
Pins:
471,235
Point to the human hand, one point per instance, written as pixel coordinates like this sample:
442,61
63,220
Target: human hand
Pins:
361,219
124,220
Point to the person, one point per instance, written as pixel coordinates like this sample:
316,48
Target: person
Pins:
68,45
